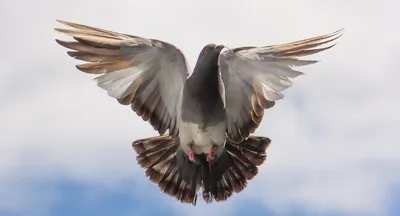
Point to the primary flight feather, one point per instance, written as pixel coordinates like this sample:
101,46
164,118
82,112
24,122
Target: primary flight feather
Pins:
209,115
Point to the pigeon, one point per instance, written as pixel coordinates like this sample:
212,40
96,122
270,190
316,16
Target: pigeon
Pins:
210,113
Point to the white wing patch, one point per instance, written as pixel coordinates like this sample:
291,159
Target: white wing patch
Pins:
117,83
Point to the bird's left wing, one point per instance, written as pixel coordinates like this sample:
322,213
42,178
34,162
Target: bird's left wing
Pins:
145,73
254,78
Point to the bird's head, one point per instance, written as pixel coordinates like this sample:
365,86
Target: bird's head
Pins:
210,52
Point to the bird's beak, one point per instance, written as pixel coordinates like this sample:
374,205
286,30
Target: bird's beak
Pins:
219,47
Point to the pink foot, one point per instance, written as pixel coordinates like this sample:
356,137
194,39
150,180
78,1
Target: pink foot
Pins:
191,155
211,154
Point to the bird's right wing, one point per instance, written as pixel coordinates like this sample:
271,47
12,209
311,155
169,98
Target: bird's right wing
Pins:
145,73
254,78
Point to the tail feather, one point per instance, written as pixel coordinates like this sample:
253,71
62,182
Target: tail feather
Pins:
245,166
168,167
234,168
255,152
158,156
151,152
238,181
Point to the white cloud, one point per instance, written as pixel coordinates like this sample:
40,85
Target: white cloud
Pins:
333,136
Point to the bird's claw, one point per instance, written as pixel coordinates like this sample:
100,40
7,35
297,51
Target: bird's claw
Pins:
211,154
191,155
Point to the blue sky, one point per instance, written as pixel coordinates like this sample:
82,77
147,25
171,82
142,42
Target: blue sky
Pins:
76,198
66,145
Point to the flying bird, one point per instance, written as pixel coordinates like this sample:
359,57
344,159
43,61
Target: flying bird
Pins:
210,113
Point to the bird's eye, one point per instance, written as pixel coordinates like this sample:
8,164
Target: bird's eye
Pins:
206,50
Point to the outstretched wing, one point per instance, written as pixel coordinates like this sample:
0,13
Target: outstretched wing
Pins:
145,73
254,78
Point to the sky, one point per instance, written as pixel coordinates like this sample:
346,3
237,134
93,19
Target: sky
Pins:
66,145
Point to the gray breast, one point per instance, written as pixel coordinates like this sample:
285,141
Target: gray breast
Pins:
203,101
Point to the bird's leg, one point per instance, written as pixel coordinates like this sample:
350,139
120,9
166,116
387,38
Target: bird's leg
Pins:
191,154
211,154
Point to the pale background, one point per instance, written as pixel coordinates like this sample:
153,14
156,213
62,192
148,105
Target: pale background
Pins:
66,146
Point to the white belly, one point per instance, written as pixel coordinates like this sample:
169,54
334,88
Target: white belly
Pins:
202,140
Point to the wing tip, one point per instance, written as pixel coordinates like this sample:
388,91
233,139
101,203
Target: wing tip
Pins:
72,54
81,68
333,37
61,21
67,23
63,31
339,32
60,42
64,23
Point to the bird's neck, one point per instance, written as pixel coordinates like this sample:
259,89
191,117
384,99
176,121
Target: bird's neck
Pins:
204,78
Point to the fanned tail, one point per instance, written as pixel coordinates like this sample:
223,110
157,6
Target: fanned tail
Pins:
169,167
158,156
238,164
